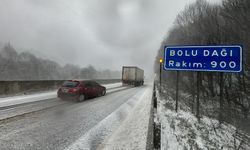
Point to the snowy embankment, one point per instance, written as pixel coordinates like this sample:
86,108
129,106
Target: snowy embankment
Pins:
183,131
22,99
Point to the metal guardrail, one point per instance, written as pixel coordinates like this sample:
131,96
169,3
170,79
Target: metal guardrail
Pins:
157,126
15,87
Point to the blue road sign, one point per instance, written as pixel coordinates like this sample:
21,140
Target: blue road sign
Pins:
204,58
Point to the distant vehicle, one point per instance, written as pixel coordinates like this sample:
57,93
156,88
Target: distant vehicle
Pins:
80,90
132,75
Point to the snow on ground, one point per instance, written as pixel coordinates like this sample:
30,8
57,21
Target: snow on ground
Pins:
183,131
117,89
129,118
132,134
112,85
15,100
21,99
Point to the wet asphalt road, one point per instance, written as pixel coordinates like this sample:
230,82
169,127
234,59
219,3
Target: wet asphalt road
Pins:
59,126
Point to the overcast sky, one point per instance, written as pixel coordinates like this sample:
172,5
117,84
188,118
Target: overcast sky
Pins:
105,33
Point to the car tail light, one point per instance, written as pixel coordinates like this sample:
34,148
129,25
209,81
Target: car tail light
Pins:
73,90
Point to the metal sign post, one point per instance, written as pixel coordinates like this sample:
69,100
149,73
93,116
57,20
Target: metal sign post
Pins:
161,61
177,91
221,97
198,96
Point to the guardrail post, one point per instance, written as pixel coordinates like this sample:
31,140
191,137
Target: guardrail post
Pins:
157,125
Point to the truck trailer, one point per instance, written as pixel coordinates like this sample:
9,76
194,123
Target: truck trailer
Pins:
132,75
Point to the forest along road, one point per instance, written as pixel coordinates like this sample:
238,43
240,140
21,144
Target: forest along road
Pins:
61,127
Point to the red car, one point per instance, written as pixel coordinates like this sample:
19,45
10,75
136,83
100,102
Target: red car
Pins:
80,90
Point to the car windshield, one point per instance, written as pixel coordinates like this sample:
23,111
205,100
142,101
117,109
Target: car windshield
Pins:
70,84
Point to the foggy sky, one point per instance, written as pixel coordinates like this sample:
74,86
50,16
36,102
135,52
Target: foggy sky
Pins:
104,33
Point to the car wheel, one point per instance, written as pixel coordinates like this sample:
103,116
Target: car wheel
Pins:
81,97
103,92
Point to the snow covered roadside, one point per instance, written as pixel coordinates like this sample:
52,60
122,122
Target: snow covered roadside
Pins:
112,85
133,132
21,99
183,131
128,119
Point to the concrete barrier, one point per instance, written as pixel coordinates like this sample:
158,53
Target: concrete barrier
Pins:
16,87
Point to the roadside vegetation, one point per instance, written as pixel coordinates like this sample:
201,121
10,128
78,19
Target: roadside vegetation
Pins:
202,23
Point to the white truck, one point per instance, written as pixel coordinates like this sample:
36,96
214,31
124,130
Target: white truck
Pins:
132,75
